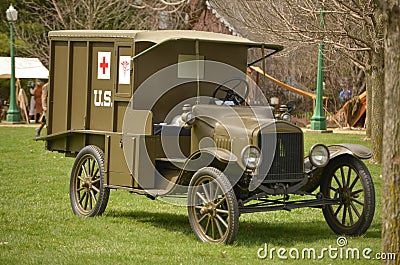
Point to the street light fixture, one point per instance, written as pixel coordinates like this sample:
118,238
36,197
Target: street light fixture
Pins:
13,112
318,120
12,14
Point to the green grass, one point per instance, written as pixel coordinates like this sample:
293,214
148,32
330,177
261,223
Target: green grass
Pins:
37,225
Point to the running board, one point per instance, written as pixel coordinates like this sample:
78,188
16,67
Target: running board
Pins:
272,206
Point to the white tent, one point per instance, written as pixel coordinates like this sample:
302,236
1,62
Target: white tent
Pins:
24,68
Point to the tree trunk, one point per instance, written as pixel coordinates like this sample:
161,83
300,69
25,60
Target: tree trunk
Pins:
378,109
391,137
369,103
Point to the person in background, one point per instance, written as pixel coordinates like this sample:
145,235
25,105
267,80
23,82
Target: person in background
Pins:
38,99
42,120
345,95
23,103
32,100
3,110
348,94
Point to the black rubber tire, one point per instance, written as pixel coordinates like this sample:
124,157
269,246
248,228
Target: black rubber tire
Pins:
349,178
212,207
88,194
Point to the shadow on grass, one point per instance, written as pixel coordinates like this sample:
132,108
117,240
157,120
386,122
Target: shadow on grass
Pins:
287,234
283,233
250,233
375,230
167,221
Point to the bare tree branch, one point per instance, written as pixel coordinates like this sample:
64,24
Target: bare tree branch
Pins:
96,14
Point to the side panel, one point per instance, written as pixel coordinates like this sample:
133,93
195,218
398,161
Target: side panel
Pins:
79,84
58,107
119,113
143,161
124,71
124,82
140,150
102,90
118,171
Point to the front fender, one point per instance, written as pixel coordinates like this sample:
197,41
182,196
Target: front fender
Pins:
220,154
336,150
355,150
205,157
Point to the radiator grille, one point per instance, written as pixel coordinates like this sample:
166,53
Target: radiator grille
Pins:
224,143
287,160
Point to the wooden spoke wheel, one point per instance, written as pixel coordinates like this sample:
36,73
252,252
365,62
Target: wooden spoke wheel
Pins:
212,207
348,180
88,195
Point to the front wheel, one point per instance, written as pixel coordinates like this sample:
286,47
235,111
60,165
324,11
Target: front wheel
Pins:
212,207
88,194
348,180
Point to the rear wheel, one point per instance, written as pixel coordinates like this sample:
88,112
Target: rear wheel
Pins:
348,180
88,195
212,207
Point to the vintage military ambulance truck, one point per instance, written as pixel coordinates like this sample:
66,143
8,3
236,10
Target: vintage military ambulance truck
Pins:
173,114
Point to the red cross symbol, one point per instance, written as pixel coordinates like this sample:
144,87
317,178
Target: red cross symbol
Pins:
104,65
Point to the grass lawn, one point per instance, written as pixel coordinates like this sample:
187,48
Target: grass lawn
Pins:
37,225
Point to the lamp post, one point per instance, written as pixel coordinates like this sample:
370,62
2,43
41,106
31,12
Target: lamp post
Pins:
13,112
318,120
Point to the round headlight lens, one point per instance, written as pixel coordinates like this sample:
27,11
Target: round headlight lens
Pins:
319,155
188,118
251,156
285,116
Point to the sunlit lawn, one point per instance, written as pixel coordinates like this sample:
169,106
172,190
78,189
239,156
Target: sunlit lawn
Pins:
37,225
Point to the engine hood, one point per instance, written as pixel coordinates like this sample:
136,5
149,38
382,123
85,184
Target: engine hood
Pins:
241,127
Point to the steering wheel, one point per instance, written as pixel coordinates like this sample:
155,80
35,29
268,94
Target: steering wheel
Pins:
230,94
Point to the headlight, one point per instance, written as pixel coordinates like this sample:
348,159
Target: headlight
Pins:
251,156
188,118
285,116
319,155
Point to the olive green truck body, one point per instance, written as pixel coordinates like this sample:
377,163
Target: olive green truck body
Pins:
85,110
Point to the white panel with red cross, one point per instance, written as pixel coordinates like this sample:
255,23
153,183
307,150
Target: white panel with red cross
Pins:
103,65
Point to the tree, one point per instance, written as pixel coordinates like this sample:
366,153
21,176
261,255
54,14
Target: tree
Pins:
391,135
38,17
353,28
46,15
5,45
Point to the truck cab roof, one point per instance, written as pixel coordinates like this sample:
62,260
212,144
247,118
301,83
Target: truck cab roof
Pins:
161,36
